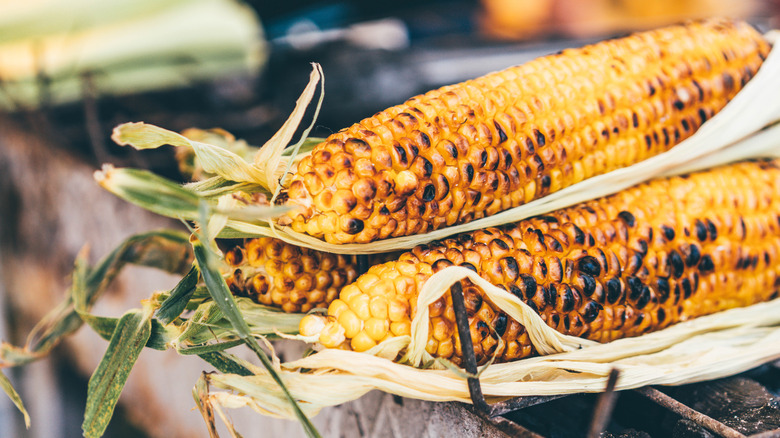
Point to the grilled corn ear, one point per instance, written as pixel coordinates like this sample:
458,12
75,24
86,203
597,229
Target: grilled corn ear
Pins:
473,149
620,266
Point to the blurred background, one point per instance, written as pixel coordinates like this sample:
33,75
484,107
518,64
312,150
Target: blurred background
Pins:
72,70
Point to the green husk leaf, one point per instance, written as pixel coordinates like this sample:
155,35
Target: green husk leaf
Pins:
150,191
164,249
224,299
105,386
226,363
5,383
172,307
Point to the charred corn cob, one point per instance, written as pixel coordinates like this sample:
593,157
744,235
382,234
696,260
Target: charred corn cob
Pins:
473,149
620,266
294,279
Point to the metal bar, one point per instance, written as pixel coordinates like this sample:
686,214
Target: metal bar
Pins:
466,346
684,411
517,403
604,406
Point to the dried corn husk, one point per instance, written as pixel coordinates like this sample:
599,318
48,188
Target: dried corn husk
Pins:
756,107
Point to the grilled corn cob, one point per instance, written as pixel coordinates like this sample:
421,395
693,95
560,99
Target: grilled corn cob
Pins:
473,149
620,266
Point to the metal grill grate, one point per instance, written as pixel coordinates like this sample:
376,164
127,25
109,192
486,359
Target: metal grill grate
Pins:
602,413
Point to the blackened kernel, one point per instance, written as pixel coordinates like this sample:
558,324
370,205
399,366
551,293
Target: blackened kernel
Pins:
543,268
354,226
686,287
546,181
648,141
666,136
641,247
644,298
402,155
701,230
510,267
706,265
686,125
425,141
639,318
501,134
579,236
678,105
591,240
567,299
662,286
554,245
635,120
500,324
516,291
547,295
529,146
668,232
712,229
384,211
693,256
676,263
566,322
427,168
440,264
548,219
635,288
483,158
529,284
588,284
469,173
500,243
483,329
613,290
589,265
702,116
661,315
429,193
468,265
540,138
628,218
728,82
677,292
591,311
556,319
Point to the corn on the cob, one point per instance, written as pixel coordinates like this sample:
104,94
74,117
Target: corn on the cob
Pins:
294,279
473,149
637,261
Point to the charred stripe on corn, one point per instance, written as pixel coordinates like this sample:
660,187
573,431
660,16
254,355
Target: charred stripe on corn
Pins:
473,149
637,261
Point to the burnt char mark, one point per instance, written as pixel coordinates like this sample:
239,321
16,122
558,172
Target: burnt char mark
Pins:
589,265
614,290
706,265
662,286
588,284
546,181
701,230
676,262
501,244
591,311
501,134
541,140
354,226
403,160
548,219
529,284
468,265
686,287
429,193
500,324
516,291
628,218
634,288
425,141
579,236
644,298
511,269
554,245
567,299
469,173
693,255
668,232
713,231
